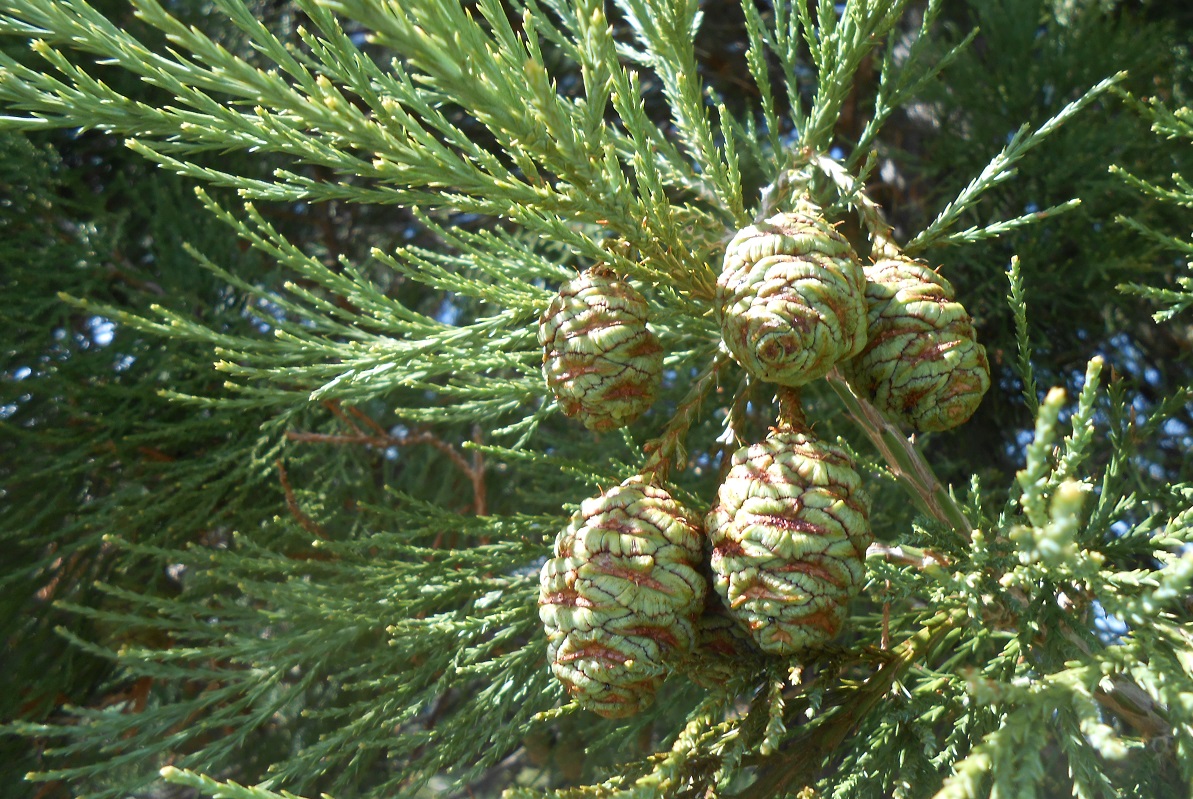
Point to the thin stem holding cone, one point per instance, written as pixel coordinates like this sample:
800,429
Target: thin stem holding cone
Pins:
906,464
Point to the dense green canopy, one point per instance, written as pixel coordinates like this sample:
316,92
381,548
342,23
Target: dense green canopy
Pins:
279,467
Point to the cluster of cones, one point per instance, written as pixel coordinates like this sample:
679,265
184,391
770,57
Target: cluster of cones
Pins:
625,598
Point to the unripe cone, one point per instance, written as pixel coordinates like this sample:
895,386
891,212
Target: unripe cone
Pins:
620,598
790,298
599,359
789,533
922,364
722,647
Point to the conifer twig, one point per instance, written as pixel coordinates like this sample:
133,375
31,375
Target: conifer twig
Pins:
667,449
905,463
1022,363
380,438
731,439
219,790
882,235
800,754
923,559
1001,167
304,521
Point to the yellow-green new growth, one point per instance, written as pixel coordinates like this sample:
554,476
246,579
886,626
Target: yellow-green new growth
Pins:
599,359
621,597
790,298
922,364
789,533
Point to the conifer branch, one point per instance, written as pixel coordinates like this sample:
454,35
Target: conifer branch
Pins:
524,142
838,48
380,439
906,464
797,763
666,31
902,76
756,62
1002,167
1023,365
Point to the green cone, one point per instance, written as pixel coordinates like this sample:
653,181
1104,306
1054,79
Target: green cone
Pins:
723,647
621,597
789,533
922,365
599,359
790,298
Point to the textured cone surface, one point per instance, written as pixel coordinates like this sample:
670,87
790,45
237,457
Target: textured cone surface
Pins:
789,533
922,364
621,597
599,359
790,298
723,646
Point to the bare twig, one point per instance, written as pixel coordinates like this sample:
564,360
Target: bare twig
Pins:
904,461
338,412
369,421
480,498
922,559
374,435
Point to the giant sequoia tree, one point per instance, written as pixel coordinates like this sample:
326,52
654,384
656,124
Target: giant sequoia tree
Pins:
644,398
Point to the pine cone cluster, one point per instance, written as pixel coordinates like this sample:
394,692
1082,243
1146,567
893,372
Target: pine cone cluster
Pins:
623,598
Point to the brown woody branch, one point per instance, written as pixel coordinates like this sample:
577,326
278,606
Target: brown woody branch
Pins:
370,433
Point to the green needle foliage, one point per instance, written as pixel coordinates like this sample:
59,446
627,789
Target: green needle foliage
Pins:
279,467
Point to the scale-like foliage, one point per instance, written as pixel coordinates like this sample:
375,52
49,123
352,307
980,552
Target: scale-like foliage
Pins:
285,461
